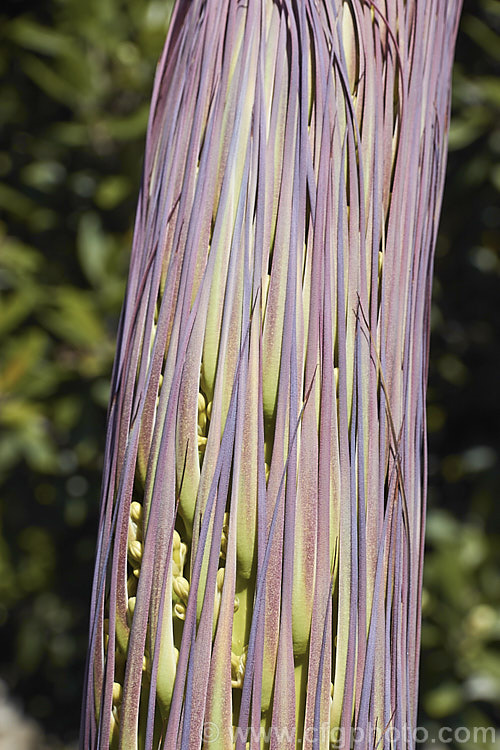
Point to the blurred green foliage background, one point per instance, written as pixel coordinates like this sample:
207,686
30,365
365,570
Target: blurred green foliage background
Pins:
76,79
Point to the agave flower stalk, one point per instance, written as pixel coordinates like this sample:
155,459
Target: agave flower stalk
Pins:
259,556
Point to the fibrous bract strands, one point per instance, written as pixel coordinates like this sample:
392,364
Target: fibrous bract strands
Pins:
259,556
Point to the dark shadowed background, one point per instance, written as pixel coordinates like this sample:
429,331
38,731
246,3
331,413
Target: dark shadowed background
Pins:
76,78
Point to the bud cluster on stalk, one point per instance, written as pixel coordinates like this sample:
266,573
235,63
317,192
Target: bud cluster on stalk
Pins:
260,544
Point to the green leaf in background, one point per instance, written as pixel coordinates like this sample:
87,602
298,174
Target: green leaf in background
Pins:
74,318
112,191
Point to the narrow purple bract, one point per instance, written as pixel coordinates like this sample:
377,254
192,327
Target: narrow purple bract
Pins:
259,558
